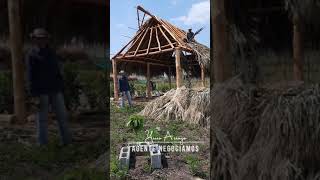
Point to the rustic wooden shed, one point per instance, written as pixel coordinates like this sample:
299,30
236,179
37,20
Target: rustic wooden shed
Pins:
159,46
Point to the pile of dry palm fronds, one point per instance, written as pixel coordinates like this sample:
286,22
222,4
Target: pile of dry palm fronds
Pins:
183,104
202,53
265,134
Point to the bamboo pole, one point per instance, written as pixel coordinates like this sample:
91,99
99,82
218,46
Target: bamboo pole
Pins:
115,80
16,47
178,68
298,54
221,64
149,95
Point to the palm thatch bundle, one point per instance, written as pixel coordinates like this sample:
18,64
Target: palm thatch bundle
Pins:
183,104
202,53
265,134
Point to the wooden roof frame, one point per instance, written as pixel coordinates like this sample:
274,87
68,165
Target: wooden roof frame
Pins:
155,39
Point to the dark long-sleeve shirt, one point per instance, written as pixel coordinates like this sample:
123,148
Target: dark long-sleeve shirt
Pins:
44,75
124,84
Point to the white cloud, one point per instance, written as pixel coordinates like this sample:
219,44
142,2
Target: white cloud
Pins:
174,2
199,13
120,25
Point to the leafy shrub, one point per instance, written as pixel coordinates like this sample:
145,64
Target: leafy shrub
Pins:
136,122
115,171
71,85
163,87
94,86
140,88
194,165
6,96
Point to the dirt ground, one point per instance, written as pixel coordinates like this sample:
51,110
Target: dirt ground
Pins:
22,158
178,165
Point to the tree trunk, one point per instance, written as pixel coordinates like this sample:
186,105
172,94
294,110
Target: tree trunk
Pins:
220,34
298,54
178,68
16,47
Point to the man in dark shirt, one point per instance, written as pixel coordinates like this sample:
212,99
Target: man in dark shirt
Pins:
190,35
124,89
45,82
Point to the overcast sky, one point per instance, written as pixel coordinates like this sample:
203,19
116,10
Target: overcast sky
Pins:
182,13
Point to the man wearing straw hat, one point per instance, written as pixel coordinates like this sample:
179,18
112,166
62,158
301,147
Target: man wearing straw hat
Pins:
124,89
45,82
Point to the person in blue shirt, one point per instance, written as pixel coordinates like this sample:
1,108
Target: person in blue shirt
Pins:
45,82
124,89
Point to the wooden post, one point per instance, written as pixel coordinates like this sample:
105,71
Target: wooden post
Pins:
149,95
298,54
115,80
16,47
178,68
169,77
203,83
221,65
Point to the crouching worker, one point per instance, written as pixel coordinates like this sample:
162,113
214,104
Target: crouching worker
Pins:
46,83
124,89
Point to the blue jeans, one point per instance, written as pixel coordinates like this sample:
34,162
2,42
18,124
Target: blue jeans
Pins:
57,102
123,95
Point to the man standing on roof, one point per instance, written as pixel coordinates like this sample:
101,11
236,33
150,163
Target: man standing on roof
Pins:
124,89
190,35
45,82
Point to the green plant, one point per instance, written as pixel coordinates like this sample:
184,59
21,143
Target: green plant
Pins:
194,164
72,85
147,168
115,171
94,85
140,88
6,96
136,122
163,87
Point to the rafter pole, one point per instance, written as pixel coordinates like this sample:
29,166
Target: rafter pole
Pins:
149,41
166,37
157,36
140,42
134,39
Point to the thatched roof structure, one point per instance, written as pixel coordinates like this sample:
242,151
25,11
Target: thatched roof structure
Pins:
159,47
154,43
64,19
